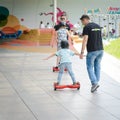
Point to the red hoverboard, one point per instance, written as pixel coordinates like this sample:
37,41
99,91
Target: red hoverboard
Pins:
77,85
57,69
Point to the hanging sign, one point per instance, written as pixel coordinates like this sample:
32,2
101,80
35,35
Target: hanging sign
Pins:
113,10
93,11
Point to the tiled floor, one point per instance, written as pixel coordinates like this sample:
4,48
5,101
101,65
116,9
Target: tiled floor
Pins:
26,91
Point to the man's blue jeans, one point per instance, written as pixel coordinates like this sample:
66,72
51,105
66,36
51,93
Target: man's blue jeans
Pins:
68,66
93,61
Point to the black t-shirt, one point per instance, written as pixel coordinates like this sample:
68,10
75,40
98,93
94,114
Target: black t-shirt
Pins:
57,27
93,31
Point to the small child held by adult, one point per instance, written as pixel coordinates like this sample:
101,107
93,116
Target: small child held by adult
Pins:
65,61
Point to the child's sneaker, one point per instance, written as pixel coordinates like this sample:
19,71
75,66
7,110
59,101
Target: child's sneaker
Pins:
57,83
56,67
74,83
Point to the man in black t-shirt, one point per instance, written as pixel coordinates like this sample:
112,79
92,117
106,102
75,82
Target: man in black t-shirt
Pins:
92,39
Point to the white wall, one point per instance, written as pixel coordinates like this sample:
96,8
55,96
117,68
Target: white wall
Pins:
30,9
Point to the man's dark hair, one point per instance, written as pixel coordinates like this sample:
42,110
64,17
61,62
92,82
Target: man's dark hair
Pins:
85,17
64,14
64,44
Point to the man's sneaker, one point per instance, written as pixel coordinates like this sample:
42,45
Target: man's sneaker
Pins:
94,87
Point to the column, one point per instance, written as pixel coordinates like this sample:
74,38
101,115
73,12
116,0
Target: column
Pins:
55,11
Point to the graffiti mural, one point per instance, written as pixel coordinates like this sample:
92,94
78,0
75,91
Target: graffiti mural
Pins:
10,26
4,13
59,13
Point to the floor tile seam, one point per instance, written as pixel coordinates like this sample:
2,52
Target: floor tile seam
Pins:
17,93
57,101
101,107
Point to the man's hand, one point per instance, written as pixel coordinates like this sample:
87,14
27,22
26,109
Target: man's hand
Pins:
84,42
81,56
